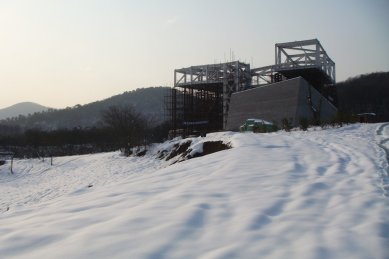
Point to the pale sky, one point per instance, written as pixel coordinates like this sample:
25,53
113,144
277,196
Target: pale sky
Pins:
61,53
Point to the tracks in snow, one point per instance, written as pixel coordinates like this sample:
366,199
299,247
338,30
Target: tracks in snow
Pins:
36,181
382,136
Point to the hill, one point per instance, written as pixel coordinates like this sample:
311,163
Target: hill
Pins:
314,194
148,101
365,94
23,108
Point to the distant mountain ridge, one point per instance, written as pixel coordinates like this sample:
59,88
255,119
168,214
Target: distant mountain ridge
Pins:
23,108
148,101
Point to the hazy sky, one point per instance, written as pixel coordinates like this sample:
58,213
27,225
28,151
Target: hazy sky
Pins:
67,52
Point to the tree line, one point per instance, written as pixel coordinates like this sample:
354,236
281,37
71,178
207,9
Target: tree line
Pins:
365,94
122,127
150,101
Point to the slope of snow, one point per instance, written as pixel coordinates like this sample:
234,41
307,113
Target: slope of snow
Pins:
316,194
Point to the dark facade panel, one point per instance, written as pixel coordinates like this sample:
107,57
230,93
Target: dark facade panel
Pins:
272,102
286,99
321,105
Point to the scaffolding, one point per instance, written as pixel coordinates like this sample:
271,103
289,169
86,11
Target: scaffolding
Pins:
199,101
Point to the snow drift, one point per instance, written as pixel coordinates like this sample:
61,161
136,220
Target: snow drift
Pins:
316,194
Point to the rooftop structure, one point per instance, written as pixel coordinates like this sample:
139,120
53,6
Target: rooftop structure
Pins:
306,58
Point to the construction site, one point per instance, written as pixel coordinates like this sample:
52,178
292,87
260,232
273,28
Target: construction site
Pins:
215,97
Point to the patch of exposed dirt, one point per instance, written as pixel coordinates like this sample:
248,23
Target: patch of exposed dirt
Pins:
141,153
179,149
161,154
210,147
182,151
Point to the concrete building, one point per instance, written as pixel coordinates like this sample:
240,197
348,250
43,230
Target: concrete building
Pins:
292,99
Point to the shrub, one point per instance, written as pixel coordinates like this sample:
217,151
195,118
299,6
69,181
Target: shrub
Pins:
286,124
303,123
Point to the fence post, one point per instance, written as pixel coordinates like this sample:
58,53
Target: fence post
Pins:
12,162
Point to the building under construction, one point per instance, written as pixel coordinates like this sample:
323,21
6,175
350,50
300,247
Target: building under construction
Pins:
204,97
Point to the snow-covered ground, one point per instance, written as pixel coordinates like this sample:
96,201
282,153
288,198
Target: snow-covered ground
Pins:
316,194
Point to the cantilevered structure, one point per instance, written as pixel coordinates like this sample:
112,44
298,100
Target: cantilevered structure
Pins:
305,58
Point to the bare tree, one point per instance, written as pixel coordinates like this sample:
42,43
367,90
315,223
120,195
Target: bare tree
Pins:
130,126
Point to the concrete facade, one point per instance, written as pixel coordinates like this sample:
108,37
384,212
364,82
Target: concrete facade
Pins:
273,102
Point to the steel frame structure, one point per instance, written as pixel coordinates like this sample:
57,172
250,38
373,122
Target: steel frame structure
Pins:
290,57
199,100
302,55
265,75
210,86
195,110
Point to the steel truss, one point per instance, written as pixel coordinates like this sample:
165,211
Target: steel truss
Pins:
302,55
202,93
291,58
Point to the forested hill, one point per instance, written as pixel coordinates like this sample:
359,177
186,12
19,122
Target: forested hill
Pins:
365,94
23,108
148,101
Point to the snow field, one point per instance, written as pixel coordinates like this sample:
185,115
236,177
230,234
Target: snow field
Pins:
316,194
